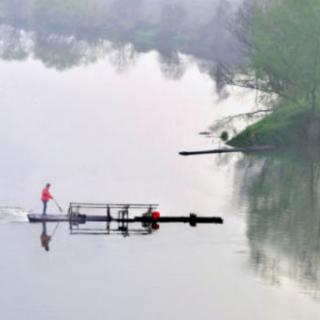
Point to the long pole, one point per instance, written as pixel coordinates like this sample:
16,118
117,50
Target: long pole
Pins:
57,204
55,229
57,226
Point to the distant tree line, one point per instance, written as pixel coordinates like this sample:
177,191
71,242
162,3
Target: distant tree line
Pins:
201,29
282,44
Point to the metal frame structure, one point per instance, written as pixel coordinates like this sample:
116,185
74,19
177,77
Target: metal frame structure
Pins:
118,218
109,213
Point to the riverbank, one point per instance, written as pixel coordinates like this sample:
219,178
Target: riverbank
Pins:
286,126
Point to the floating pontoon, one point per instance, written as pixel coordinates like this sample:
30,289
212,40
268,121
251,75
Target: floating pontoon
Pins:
121,214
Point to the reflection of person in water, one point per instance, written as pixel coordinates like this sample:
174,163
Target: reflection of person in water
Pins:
45,238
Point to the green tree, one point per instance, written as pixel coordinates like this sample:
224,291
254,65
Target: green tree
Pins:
283,49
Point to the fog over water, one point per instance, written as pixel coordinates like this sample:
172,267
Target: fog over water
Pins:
63,35
98,135
112,130
103,121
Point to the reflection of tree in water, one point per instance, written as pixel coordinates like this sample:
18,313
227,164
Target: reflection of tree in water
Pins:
123,57
14,44
172,65
282,195
61,52
68,33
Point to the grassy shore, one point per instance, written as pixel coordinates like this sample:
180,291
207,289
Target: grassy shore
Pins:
287,126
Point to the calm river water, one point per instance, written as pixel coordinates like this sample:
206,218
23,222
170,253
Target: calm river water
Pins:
100,135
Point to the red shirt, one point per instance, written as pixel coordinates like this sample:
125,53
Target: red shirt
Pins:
45,195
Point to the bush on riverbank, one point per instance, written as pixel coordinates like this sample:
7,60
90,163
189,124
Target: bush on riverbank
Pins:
287,126
283,60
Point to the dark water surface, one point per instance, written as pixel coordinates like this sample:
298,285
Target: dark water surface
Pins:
98,135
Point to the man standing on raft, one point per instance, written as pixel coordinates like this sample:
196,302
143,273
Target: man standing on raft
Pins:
46,197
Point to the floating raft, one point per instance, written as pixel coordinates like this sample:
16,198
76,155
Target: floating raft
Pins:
109,218
192,219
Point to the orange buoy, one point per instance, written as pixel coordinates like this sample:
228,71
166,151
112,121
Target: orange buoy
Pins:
155,215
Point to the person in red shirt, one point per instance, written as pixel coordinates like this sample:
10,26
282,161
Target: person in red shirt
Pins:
46,197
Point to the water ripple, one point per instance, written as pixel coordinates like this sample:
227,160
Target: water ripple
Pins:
13,214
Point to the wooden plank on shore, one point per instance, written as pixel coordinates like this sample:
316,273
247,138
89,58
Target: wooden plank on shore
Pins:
226,150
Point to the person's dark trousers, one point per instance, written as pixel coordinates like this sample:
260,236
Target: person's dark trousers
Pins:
44,212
